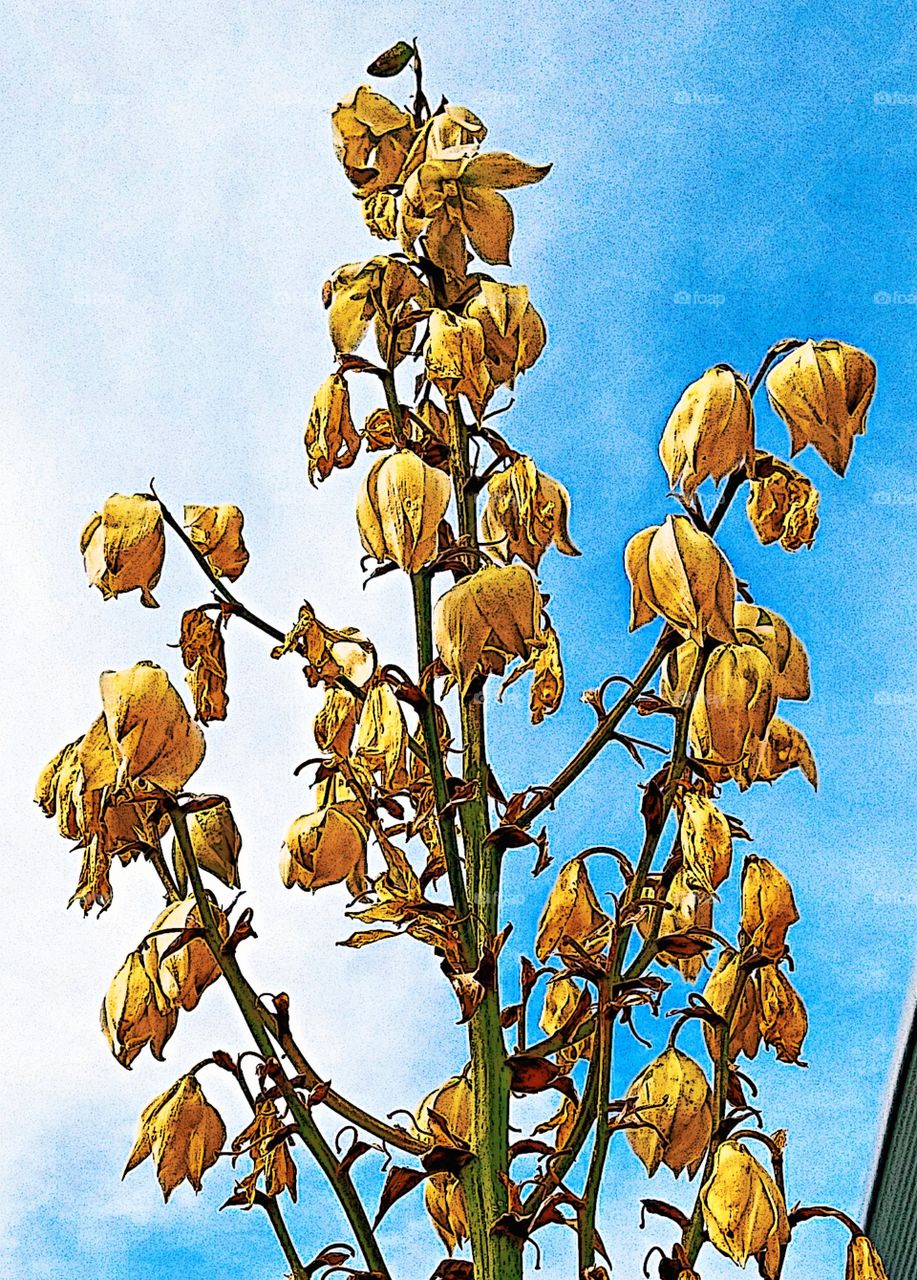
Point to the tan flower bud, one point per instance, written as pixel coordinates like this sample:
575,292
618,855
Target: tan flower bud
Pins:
382,737
371,137
784,748
135,1013
710,432
156,743
326,847
182,1132
399,508
782,504
217,534
485,620
822,391
203,653
455,360
185,975
672,1095
768,907
863,1261
678,573
686,908
216,842
525,512
380,213
514,332
745,1036
571,913
124,545
787,653
331,438
744,1212
706,843
783,1018
736,704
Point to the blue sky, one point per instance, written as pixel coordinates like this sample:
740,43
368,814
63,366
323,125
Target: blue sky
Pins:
723,177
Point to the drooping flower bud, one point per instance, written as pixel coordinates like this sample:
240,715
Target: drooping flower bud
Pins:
327,846
331,439
124,545
135,1013
745,1035
773,635
784,748
783,1018
571,913
182,1132
672,1095
216,842
445,1114
782,504
455,359
863,1261
203,653
706,843
822,391
217,534
485,620
744,1212
710,432
736,704
768,907
678,573
156,743
514,332
399,508
525,512
186,974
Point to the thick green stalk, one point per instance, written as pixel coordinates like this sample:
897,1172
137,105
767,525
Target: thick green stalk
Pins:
587,1215
249,1006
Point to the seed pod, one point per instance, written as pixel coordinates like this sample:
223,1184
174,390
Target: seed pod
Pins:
678,573
525,512
768,907
124,545
822,391
673,1096
744,1212
182,1132
485,620
710,432
572,912
399,508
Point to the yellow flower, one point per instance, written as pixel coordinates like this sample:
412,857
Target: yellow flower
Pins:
768,907
155,741
485,620
382,737
744,1212
562,998
399,508
371,138
784,748
736,704
745,1035
783,1017
787,653
444,1202
327,846
455,360
331,438
525,512
216,842
710,432
822,391
706,843
571,913
672,1095
124,545
445,1114
782,504
678,573
380,213
217,534
382,289
135,1013
863,1261
182,1132
203,653
185,975
686,908
514,332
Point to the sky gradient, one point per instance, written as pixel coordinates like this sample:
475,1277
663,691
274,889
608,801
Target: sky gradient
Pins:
723,177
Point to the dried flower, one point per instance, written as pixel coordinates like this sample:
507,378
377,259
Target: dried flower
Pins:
485,620
863,1261
371,138
331,438
399,508
327,846
185,974
782,504
784,748
455,359
271,1160
768,907
736,704
154,740
745,1033
203,653
783,1017
182,1132
382,737
787,653
216,842
673,1097
710,432
514,332
571,913
706,843
217,534
525,512
135,1013
744,1212
678,573
822,391
124,545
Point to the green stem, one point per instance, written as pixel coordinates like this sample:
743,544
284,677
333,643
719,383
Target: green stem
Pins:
587,1215
250,1008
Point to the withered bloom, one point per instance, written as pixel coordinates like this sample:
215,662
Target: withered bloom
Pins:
485,620
768,907
782,504
124,545
155,741
328,845
331,438
745,1036
678,573
822,391
744,1212
672,1095
571,913
186,974
784,748
525,512
686,907
736,704
514,332
371,138
783,1018
382,737
271,1160
182,1132
203,653
706,843
399,508
217,534
136,1013
455,360
773,636
863,1260
711,431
